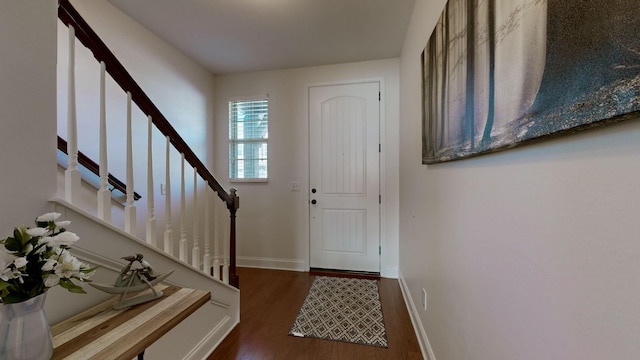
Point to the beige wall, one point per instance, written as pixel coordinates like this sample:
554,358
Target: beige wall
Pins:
273,224
532,253
27,110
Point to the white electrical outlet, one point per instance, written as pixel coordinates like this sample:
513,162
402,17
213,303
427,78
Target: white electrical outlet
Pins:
294,186
424,299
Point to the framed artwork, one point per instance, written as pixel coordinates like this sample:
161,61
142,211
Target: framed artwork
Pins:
497,74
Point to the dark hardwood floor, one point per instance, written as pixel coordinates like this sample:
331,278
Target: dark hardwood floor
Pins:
269,303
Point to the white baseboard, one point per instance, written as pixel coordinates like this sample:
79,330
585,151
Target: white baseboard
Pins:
294,265
272,263
425,346
207,346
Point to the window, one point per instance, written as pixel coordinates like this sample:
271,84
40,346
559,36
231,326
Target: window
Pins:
248,135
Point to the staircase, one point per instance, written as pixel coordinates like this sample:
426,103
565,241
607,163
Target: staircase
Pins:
115,218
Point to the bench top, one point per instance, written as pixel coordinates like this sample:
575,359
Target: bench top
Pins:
104,333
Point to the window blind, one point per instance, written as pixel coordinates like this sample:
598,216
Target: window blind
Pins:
248,136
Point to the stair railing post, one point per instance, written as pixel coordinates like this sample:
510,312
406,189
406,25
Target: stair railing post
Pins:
234,279
104,194
195,255
151,216
216,250
129,209
72,180
168,237
206,261
182,248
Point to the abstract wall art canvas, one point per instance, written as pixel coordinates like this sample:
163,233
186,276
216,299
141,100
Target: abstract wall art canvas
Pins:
500,73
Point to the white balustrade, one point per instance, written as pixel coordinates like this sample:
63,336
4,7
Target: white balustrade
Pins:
72,179
104,194
151,217
214,261
216,257
225,271
183,209
195,256
129,209
168,237
206,261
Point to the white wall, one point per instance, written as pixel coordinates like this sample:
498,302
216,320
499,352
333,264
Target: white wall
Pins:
27,110
532,253
273,223
180,88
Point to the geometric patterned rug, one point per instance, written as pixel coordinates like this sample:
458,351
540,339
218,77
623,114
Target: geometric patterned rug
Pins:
342,309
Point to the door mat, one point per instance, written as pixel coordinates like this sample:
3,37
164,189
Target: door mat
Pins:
342,309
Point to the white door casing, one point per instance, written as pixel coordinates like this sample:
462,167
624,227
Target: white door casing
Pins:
344,174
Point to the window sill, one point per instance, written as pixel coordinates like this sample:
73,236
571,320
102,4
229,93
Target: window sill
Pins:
248,180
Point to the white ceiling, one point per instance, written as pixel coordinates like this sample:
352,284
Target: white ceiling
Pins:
231,36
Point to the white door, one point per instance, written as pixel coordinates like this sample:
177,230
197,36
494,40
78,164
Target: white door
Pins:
344,127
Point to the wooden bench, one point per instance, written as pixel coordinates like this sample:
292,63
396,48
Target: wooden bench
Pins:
104,333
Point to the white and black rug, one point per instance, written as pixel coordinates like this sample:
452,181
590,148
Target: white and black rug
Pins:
342,309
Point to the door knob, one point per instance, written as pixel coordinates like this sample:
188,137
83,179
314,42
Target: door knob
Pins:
313,190
313,201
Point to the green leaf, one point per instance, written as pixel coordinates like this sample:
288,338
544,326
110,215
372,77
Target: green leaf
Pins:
4,285
69,285
17,234
13,244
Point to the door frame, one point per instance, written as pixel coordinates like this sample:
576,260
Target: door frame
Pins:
381,165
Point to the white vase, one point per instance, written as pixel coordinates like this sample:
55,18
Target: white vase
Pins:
24,330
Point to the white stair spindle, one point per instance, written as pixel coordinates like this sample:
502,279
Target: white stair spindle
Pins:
183,209
72,180
151,216
206,262
195,258
104,194
129,209
225,272
168,237
216,255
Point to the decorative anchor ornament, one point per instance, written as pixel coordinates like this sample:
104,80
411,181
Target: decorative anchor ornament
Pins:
137,276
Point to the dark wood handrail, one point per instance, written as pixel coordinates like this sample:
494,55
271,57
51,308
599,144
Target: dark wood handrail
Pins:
70,17
91,165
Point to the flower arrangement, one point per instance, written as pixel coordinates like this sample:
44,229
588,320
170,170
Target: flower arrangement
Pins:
34,260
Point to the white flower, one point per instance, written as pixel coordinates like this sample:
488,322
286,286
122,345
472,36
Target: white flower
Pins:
6,260
68,266
20,262
52,280
52,216
46,248
39,251
50,264
18,275
63,224
37,231
66,238
6,274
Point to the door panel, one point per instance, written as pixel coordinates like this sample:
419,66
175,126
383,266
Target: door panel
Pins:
344,173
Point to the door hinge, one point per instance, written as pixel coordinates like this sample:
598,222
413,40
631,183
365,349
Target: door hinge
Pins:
379,250
379,96
379,148
379,199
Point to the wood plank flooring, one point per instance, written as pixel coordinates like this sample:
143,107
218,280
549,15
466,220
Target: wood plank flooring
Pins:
269,303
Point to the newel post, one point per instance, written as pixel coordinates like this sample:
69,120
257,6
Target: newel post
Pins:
233,206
